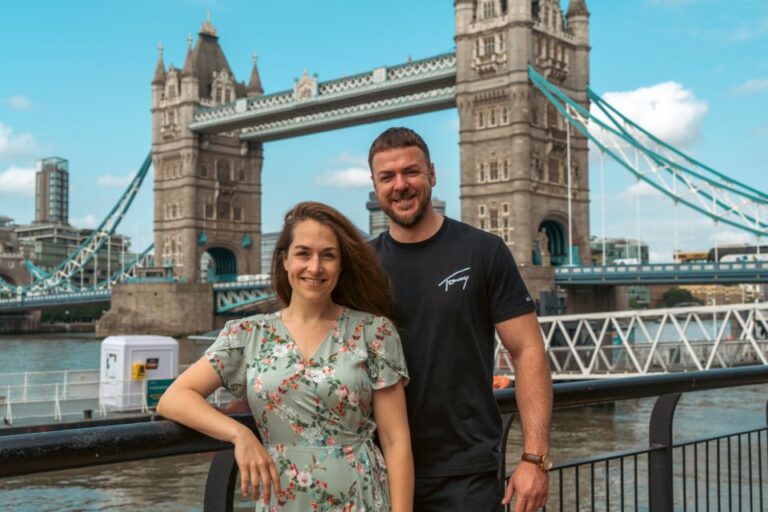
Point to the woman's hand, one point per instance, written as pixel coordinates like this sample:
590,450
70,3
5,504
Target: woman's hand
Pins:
256,466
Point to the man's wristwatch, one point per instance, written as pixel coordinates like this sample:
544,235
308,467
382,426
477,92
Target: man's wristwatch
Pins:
543,461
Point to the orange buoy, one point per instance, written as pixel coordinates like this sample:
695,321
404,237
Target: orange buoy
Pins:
500,381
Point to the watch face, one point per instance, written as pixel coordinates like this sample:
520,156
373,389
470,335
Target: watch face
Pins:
546,462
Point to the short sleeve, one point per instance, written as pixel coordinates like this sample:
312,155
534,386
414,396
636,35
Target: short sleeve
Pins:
386,362
227,355
509,297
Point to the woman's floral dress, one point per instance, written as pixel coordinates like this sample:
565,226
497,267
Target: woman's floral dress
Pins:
316,417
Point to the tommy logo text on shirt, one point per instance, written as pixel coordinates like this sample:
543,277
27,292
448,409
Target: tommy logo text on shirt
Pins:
455,278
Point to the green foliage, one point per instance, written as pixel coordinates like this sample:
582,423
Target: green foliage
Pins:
87,313
676,296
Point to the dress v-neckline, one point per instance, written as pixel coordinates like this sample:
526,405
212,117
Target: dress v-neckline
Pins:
327,336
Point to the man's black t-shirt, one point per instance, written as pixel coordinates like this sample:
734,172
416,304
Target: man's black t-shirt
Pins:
450,290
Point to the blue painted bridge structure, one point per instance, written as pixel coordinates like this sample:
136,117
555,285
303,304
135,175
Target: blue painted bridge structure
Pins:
423,86
664,273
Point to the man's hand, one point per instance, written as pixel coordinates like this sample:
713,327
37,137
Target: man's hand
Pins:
529,485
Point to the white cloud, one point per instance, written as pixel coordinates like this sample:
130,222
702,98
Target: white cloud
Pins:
755,85
20,102
351,177
89,221
642,189
667,110
18,180
15,145
115,181
351,159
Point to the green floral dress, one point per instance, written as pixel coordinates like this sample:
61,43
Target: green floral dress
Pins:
315,418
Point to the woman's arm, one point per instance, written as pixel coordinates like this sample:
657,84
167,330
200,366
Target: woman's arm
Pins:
185,402
392,421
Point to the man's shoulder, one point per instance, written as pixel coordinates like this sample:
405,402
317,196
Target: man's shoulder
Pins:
378,241
472,234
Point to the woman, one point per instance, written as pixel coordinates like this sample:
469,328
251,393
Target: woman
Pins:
320,376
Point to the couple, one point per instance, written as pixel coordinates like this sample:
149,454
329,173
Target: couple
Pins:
326,372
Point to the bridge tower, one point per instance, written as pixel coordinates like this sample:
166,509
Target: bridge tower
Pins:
207,187
513,143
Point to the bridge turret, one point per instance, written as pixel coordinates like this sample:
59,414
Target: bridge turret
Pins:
578,26
189,81
207,186
254,85
158,79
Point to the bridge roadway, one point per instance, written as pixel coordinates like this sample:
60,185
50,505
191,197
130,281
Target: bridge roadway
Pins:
384,93
232,297
664,273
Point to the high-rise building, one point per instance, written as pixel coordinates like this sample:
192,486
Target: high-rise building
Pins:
378,222
52,191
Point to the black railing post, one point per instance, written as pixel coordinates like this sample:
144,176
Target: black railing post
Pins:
220,485
507,419
660,475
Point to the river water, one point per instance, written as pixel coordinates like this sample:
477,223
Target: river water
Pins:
177,484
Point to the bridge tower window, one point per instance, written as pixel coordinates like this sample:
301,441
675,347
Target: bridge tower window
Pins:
489,10
489,46
494,172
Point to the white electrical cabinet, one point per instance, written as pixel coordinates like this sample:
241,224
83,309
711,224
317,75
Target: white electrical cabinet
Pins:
127,362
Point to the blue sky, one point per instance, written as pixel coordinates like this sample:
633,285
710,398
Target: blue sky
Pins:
75,84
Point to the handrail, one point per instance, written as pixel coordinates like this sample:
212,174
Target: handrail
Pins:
50,451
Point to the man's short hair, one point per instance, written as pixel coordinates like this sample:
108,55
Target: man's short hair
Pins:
395,138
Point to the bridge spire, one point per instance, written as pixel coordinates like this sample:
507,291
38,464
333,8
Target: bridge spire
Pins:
577,8
254,86
159,77
189,61
207,27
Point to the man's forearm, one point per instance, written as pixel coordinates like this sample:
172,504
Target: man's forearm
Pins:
533,393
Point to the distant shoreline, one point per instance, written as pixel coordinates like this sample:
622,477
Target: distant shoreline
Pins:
54,328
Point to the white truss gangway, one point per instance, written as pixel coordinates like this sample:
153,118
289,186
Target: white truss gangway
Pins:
643,342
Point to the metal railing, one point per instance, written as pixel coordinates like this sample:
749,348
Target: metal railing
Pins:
662,477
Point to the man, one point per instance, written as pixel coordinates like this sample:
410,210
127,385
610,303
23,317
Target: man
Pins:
453,286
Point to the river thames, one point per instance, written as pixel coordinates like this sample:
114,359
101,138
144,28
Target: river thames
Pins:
177,484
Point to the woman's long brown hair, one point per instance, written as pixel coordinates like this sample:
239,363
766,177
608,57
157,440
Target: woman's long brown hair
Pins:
362,284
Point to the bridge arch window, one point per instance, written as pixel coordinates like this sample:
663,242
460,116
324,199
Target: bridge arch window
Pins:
505,172
481,173
493,217
489,10
504,115
492,117
480,120
237,213
489,46
505,210
554,170
219,264
222,170
223,209
481,210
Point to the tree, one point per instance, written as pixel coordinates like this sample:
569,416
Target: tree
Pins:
677,296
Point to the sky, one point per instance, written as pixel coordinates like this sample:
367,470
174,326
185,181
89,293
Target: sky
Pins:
75,83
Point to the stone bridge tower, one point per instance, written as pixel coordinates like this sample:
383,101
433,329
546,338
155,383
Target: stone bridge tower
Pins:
207,187
514,165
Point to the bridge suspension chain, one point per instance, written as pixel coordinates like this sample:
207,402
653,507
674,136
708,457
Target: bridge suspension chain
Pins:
60,279
677,176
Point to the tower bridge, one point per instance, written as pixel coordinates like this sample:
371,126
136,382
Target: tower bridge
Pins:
519,80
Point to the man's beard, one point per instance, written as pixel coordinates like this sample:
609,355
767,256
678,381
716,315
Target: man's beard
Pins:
410,220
